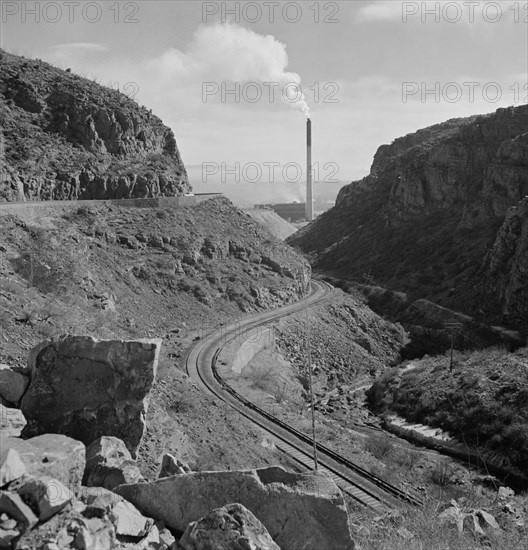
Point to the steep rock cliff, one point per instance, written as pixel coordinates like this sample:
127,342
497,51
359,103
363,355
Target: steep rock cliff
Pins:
506,264
66,137
434,218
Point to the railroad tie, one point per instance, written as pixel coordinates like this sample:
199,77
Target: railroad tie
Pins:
307,461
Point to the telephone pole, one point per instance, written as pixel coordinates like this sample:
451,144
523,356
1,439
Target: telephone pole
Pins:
309,352
452,326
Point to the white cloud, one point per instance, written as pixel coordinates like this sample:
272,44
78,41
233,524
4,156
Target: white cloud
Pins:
229,53
436,11
381,10
79,47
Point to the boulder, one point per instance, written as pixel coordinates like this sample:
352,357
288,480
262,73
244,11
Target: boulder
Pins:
109,464
99,501
86,388
171,466
8,523
12,421
158,538
150,541
13,384
92,533
11,465
54,455
226,528
165,536
46,496
12,505
128,521
298,510
7,536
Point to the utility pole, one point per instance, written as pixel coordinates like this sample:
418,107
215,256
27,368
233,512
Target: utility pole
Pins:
309,352
452,326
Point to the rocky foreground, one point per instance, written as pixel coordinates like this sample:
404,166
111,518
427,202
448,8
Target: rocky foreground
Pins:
70,481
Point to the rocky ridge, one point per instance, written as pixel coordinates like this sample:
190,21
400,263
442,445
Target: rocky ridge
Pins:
66,137
441,216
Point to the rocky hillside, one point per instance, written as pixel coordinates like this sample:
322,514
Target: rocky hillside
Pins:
66,137
442,215
111,271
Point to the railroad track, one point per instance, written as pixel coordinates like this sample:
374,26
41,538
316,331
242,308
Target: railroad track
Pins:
363,486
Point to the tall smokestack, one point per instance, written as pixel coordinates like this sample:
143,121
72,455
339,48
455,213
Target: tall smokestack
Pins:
309,184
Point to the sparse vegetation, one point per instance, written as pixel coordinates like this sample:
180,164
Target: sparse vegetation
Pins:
427,529
408,458
380,445
47,265
483,403
443,473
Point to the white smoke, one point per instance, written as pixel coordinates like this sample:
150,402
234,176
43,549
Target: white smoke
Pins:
230,52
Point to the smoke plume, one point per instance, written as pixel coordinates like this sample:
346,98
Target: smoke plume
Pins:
231,52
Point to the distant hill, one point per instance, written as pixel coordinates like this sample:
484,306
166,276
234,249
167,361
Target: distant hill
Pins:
66,137
276,225
443,215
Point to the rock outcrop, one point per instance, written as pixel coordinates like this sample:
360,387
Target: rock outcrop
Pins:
506,264
67,137
298,510
432,218
232,526
86,388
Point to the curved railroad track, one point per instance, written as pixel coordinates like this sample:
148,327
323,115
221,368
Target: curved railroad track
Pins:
363,486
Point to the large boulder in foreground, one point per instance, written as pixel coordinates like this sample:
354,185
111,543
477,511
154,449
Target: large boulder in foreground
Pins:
86,388
232,526
298,510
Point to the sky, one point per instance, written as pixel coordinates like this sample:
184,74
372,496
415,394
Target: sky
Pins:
235,80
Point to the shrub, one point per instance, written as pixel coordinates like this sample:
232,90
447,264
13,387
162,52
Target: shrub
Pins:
408,458
379,446
46,266
28,317
442,473
181,403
